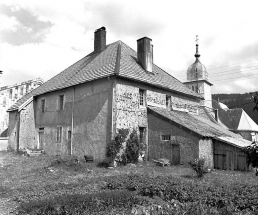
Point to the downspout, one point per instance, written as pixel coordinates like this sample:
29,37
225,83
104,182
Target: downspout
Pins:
18,131
72,121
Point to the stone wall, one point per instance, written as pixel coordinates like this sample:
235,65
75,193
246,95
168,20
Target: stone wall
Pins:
188,143
12,129
184,104
206,151
27,134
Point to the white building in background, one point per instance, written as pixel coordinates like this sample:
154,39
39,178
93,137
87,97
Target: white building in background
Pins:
9,95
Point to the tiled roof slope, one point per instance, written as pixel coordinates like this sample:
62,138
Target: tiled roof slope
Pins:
201,126
117,59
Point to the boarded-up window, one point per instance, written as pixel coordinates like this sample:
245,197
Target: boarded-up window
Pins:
43,105
61,102
59,134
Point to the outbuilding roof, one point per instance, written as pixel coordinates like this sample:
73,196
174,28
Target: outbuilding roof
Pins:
201,126
117,59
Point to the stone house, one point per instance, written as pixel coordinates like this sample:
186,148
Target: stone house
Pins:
9,96
80,110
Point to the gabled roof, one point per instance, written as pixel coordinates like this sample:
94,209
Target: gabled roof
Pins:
201,126
117,59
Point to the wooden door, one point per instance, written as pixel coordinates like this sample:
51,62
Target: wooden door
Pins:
175,154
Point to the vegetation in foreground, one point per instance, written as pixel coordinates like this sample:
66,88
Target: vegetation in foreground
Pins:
40,185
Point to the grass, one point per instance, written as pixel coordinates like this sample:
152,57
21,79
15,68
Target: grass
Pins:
23,179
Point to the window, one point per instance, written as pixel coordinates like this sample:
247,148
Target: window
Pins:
43,105
27,87
165,137
10,93
59,134
4,102
193,88
196,89
21,91
141,136
168,102
142,97
15,96
61,102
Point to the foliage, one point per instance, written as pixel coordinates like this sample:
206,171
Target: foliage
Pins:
252,154
132,148
222,199
198,166
114,147
96,203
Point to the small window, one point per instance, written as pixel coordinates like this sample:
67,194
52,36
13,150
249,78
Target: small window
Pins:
193,88
4,102
168,101
10,93
41,129
27,88
61,102
43,105
196,89
141,136
142,97
165,137
59,134
21,91
15,96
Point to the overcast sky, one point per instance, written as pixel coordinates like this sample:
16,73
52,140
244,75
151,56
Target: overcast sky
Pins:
41,38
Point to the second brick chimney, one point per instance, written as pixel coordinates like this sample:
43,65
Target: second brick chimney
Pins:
100,39
145,53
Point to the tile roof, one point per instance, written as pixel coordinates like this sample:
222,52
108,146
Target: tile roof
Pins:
201,126
117,59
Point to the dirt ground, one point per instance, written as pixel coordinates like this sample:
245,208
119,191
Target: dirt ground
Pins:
28,178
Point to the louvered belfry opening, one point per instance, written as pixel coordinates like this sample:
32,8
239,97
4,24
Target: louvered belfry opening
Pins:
100,39
145,53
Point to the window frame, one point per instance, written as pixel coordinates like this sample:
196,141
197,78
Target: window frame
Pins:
59,131
61,104
165,137
43,105
142,97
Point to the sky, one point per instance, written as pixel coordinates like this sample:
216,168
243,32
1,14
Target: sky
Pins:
42,38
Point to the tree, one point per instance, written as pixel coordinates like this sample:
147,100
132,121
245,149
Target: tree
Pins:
255,101
252,155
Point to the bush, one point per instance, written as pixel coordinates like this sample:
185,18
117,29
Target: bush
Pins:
252,154
114,147
198,166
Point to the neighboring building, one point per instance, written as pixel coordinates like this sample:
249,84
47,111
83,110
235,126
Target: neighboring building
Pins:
236,120
8,97
79,110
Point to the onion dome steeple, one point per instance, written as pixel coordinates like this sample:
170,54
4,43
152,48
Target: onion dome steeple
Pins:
197,70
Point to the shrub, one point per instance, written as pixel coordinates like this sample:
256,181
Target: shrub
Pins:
252,154
114,147
198,166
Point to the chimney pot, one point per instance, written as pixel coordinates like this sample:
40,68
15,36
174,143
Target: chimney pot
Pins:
145,53
100,39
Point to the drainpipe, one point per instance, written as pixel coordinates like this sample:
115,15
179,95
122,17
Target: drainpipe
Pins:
72,121
18,131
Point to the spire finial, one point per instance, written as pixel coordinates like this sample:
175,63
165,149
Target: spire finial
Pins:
197,55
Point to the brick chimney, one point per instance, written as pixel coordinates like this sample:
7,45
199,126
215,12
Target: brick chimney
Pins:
100,39
145,53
